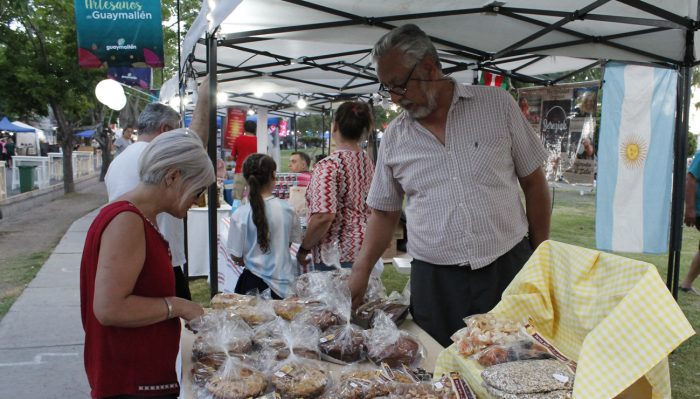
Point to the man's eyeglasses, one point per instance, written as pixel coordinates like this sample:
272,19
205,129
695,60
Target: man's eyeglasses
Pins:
399,90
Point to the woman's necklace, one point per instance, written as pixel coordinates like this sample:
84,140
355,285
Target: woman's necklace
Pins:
155,227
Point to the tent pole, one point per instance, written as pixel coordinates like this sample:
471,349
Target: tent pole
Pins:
679,169
294,130
211,150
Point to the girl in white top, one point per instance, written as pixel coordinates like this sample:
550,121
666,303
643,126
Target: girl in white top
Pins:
261,232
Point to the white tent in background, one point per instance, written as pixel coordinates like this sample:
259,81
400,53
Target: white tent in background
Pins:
29,139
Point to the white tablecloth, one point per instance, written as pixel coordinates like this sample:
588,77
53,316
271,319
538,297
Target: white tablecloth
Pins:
198,239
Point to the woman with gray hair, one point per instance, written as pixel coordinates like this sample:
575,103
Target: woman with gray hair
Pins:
129,309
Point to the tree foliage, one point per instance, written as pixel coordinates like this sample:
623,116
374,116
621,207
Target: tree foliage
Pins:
38,63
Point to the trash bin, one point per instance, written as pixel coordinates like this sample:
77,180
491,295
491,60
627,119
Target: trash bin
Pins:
26,178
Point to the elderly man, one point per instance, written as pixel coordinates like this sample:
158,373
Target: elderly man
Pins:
299,162
123,173
456,154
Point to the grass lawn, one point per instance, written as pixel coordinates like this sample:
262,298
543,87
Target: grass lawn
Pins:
18,272
573,223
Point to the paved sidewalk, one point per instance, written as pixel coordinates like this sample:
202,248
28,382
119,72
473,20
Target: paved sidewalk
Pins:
41,337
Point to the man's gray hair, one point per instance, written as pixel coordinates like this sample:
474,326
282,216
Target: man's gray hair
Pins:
156,115
179,149
410,40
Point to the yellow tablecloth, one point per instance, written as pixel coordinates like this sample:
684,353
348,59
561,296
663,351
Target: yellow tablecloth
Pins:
612,315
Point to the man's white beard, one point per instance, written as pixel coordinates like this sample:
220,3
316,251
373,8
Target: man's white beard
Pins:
421,112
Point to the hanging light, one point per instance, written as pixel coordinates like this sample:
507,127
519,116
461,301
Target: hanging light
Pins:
301,103
221,97
110,93
251,111
258,93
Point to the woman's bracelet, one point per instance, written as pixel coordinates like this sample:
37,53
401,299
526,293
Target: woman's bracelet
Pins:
170,308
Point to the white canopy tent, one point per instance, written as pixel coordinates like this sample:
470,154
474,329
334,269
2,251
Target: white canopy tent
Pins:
321,50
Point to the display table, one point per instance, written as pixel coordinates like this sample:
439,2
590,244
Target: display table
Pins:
432,349
198,238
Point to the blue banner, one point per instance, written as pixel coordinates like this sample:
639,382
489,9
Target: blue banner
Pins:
136,77
119,33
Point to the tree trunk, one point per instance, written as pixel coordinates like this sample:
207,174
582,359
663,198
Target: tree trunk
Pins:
66,138
106,160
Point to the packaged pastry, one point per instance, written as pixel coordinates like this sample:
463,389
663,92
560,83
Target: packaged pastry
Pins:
361,382
270,334
227,300
321,317
484,330
396,306
213,319
344,343
288,308
255,315
234,380
524,349
222,333
529,377
300,379
386,343
206,366
316,284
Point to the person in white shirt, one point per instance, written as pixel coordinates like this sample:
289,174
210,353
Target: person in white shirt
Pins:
122,175
261,232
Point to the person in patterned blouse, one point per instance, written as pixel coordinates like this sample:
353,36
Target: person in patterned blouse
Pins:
336,195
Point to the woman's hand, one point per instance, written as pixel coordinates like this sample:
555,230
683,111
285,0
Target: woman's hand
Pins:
303,259
185,309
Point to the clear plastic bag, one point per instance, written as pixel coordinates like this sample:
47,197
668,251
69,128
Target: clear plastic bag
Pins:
483,330
297,376
234,379
258,312
222,332
362,383
523,349
342,343
386,343
395,305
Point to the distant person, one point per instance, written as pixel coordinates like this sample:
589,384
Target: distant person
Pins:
122,175
3,151
244,145
123,141
130,314
262,231
692,218
587,149
336,196
299,162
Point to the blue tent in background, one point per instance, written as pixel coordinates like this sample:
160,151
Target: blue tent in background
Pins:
6,125
86,133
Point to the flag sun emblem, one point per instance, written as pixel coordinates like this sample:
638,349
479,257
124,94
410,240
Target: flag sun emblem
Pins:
633,151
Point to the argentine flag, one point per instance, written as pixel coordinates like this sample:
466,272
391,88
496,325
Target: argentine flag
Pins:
635,159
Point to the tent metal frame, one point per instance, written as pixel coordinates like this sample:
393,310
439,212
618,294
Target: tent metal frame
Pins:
474,59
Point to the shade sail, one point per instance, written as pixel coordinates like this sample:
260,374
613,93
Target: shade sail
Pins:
8,126
86,133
